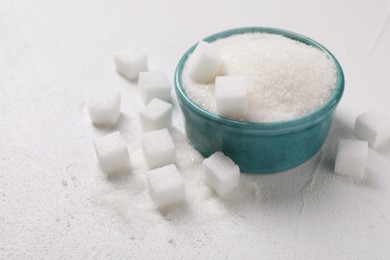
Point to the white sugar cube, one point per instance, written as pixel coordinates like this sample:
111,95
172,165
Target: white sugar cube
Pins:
156,115
112,153
373,126
104,108
158,148
130,62
231,96
351,158
206,63
220,173
166,186
154,84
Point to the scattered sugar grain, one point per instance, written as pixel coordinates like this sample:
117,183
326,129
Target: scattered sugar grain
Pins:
188,159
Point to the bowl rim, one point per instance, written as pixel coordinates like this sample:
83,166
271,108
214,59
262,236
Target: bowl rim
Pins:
296,123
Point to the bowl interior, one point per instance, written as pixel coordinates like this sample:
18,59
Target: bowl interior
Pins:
271,127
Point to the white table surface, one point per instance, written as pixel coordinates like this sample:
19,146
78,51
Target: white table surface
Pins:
56,203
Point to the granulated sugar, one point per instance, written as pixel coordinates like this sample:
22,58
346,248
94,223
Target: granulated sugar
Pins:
287,78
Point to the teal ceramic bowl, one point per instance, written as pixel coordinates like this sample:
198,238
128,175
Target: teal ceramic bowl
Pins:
259,147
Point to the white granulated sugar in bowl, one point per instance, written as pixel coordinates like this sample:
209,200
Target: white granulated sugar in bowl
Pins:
287,78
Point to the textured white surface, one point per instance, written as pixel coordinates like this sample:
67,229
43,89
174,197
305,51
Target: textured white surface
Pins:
56,203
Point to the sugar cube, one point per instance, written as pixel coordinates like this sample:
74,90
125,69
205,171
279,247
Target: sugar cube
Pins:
158,148
154,84
166,186
231,96
130,62
112,153
104,108
220,173
206,63
351,158
373,126
156,115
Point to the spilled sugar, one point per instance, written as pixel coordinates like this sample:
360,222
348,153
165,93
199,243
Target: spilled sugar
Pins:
264,209
127,197
287,78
